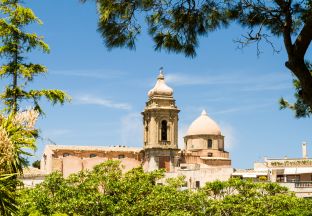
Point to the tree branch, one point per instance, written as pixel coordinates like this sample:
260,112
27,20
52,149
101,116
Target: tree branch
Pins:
304,39
286,9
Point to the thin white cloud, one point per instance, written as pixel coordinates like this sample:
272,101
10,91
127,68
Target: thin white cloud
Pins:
247,82
213,111
49,135
95,73
230,138
93,100
268,87
184,79
242,108
56,132
131,130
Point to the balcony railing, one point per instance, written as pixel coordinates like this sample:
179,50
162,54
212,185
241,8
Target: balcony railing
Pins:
164,142
303,184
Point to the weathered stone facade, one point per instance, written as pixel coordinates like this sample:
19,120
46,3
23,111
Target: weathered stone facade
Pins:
72,159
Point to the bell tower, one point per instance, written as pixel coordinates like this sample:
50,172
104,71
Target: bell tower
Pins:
160,118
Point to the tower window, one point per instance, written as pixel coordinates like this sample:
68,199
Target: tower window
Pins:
209,143
164,130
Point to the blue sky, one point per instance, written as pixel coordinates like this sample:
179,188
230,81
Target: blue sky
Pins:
239,90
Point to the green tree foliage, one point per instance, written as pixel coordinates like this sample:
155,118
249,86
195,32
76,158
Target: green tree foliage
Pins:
107,191
238,197
7,194
17,132
17,138
177,25
36,164
15,44
300,108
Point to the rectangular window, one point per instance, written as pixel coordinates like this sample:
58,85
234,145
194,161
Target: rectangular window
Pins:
293,178
197,183
66,154
121,156
220,145
92,155
45,159
280,178
209,143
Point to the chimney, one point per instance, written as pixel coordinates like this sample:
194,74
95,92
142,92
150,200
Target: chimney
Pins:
304,150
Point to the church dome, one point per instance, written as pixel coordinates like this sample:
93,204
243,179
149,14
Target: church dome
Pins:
203,125
160,88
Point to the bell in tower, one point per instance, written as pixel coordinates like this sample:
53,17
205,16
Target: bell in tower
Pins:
160,118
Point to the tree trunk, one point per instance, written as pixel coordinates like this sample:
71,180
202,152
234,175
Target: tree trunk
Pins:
15,76
296,58
300,70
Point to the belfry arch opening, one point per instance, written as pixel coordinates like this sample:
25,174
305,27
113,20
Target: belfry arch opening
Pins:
164,128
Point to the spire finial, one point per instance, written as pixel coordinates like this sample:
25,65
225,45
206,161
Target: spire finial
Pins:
204,112
161,73
161,70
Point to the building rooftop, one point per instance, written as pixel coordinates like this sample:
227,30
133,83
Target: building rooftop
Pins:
93,148
32,172
286,158
214,158
249,171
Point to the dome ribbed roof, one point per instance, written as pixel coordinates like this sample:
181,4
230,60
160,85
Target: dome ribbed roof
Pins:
161,88
203,125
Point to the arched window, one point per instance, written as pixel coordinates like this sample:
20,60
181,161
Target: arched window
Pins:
209,143
164,130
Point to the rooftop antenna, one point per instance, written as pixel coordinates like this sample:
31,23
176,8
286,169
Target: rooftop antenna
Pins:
51,141
43,139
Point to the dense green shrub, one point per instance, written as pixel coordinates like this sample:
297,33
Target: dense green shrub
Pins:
106,191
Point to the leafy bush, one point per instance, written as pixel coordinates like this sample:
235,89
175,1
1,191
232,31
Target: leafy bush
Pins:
107,191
